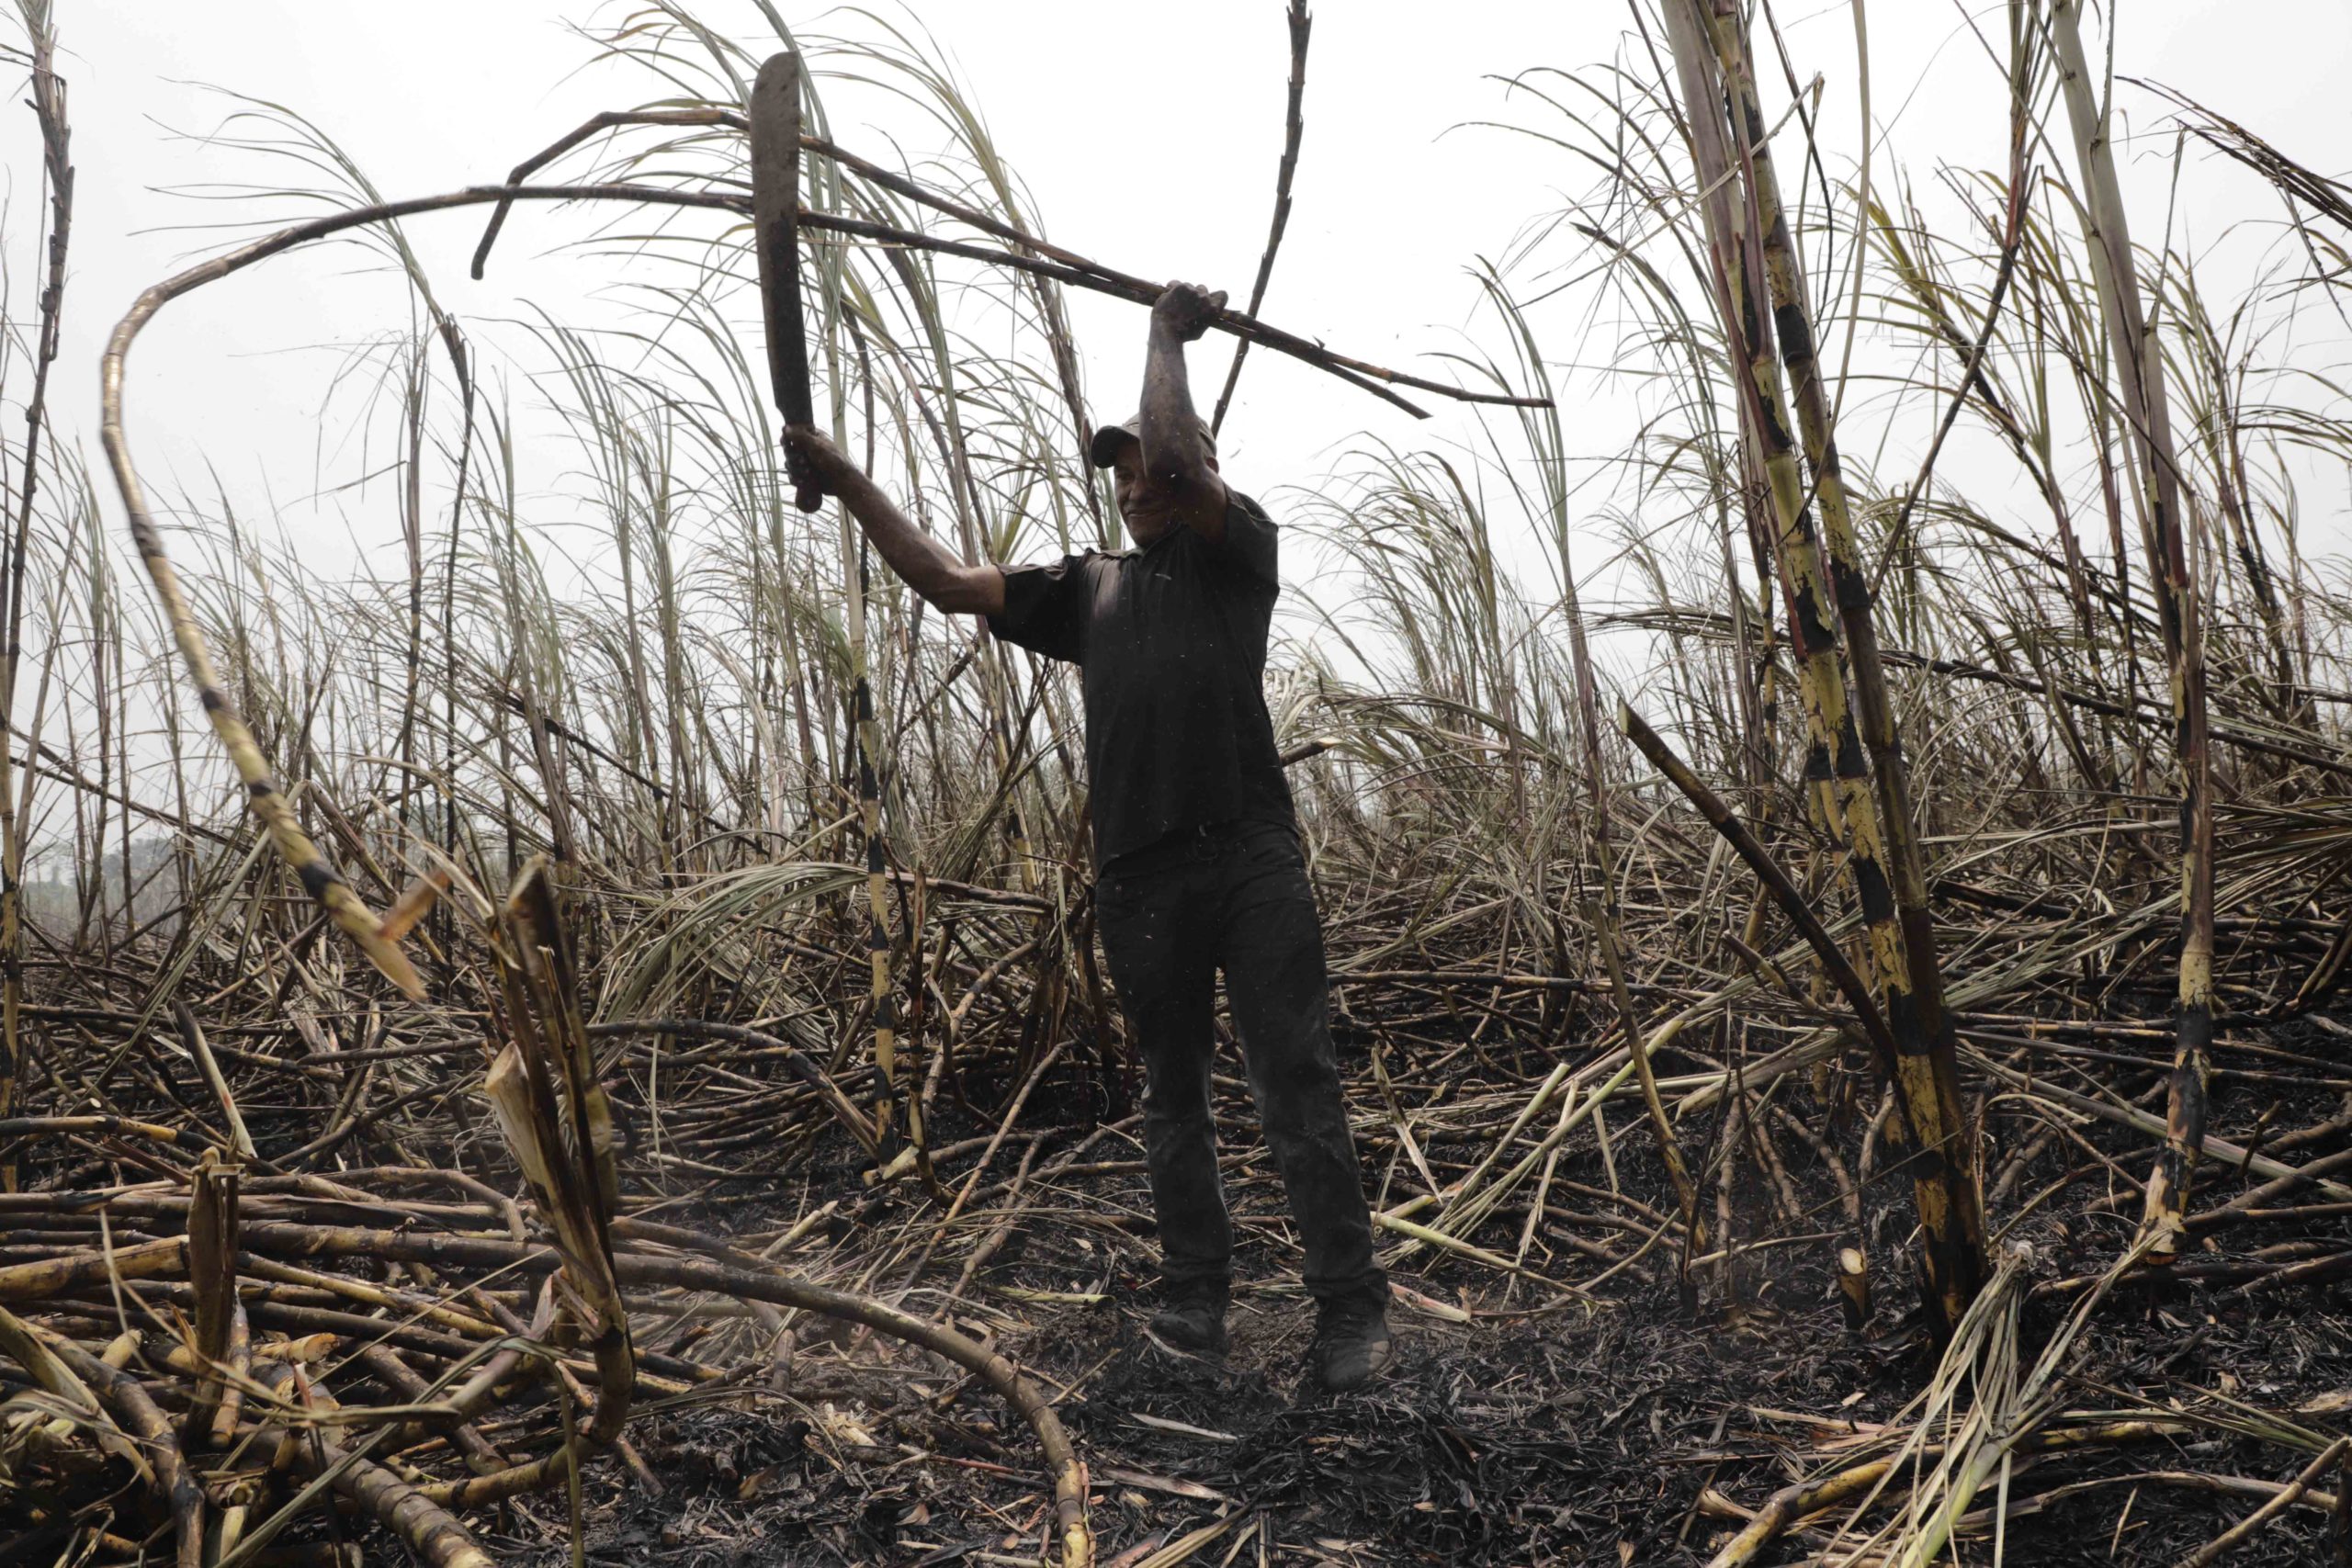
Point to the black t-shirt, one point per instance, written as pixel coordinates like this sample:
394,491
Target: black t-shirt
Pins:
1170,641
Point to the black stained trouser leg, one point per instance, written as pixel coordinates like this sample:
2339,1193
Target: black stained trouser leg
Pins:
1275,982
1239,901
1163,962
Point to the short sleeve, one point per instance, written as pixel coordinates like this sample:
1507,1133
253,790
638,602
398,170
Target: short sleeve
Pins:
1045,608
1250,539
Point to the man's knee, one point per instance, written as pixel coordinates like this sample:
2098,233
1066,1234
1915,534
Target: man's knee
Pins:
1290,1051
1298,1095
1281,991
1165,1113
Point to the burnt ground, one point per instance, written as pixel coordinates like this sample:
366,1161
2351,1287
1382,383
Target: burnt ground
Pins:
1617,1428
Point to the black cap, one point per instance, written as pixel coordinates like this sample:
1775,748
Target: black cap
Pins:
1103,449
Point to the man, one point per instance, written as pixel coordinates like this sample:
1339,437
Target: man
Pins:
1198,854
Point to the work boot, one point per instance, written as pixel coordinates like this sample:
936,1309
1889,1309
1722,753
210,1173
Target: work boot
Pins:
1352,1345
1192,1317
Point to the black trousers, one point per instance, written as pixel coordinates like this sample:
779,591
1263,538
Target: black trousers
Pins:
1235,897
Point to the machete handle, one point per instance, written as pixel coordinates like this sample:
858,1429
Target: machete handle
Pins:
807,494
774,114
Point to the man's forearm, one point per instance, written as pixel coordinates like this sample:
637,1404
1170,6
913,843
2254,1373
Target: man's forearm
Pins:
925,565
1173,452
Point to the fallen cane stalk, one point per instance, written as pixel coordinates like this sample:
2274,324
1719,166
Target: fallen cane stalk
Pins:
140,1418
329,1468
2239,1533
429,1529
1491,1260
1068,1474
1792,1502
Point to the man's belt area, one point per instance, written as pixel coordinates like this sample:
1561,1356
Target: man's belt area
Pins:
1188,846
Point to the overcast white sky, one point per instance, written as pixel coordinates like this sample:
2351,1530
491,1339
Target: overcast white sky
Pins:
1091,102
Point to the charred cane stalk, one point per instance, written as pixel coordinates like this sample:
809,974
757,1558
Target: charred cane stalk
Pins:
48,108
1927,1063
2139,364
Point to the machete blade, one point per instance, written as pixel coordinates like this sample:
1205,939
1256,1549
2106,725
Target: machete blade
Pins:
775,204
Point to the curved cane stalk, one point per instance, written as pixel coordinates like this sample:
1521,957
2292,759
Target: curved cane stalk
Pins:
319,877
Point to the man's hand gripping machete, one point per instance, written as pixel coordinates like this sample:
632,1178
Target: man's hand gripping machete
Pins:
775,206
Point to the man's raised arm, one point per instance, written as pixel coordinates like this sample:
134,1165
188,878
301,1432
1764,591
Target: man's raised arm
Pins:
926,565
1175,452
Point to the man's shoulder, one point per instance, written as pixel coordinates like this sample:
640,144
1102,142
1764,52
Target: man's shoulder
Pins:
1092,572
1250,504
1075,564
1095,566
1252,514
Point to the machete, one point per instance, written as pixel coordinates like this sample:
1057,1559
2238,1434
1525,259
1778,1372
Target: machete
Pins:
775,206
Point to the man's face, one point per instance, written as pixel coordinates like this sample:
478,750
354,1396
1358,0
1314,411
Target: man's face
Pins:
1140,504
1144,504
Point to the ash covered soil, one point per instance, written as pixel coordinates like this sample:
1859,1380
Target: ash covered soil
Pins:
1622,1425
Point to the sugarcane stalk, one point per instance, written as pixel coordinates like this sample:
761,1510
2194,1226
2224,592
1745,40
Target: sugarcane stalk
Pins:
877,909
1929,1062
238,1359
879,946
2139,364
1834,962
1293,126
407,1512
1835,765
48,108
1602,908
136,1413
1604,914
576,1178
211,1269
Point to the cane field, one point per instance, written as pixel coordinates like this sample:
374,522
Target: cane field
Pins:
560,1020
